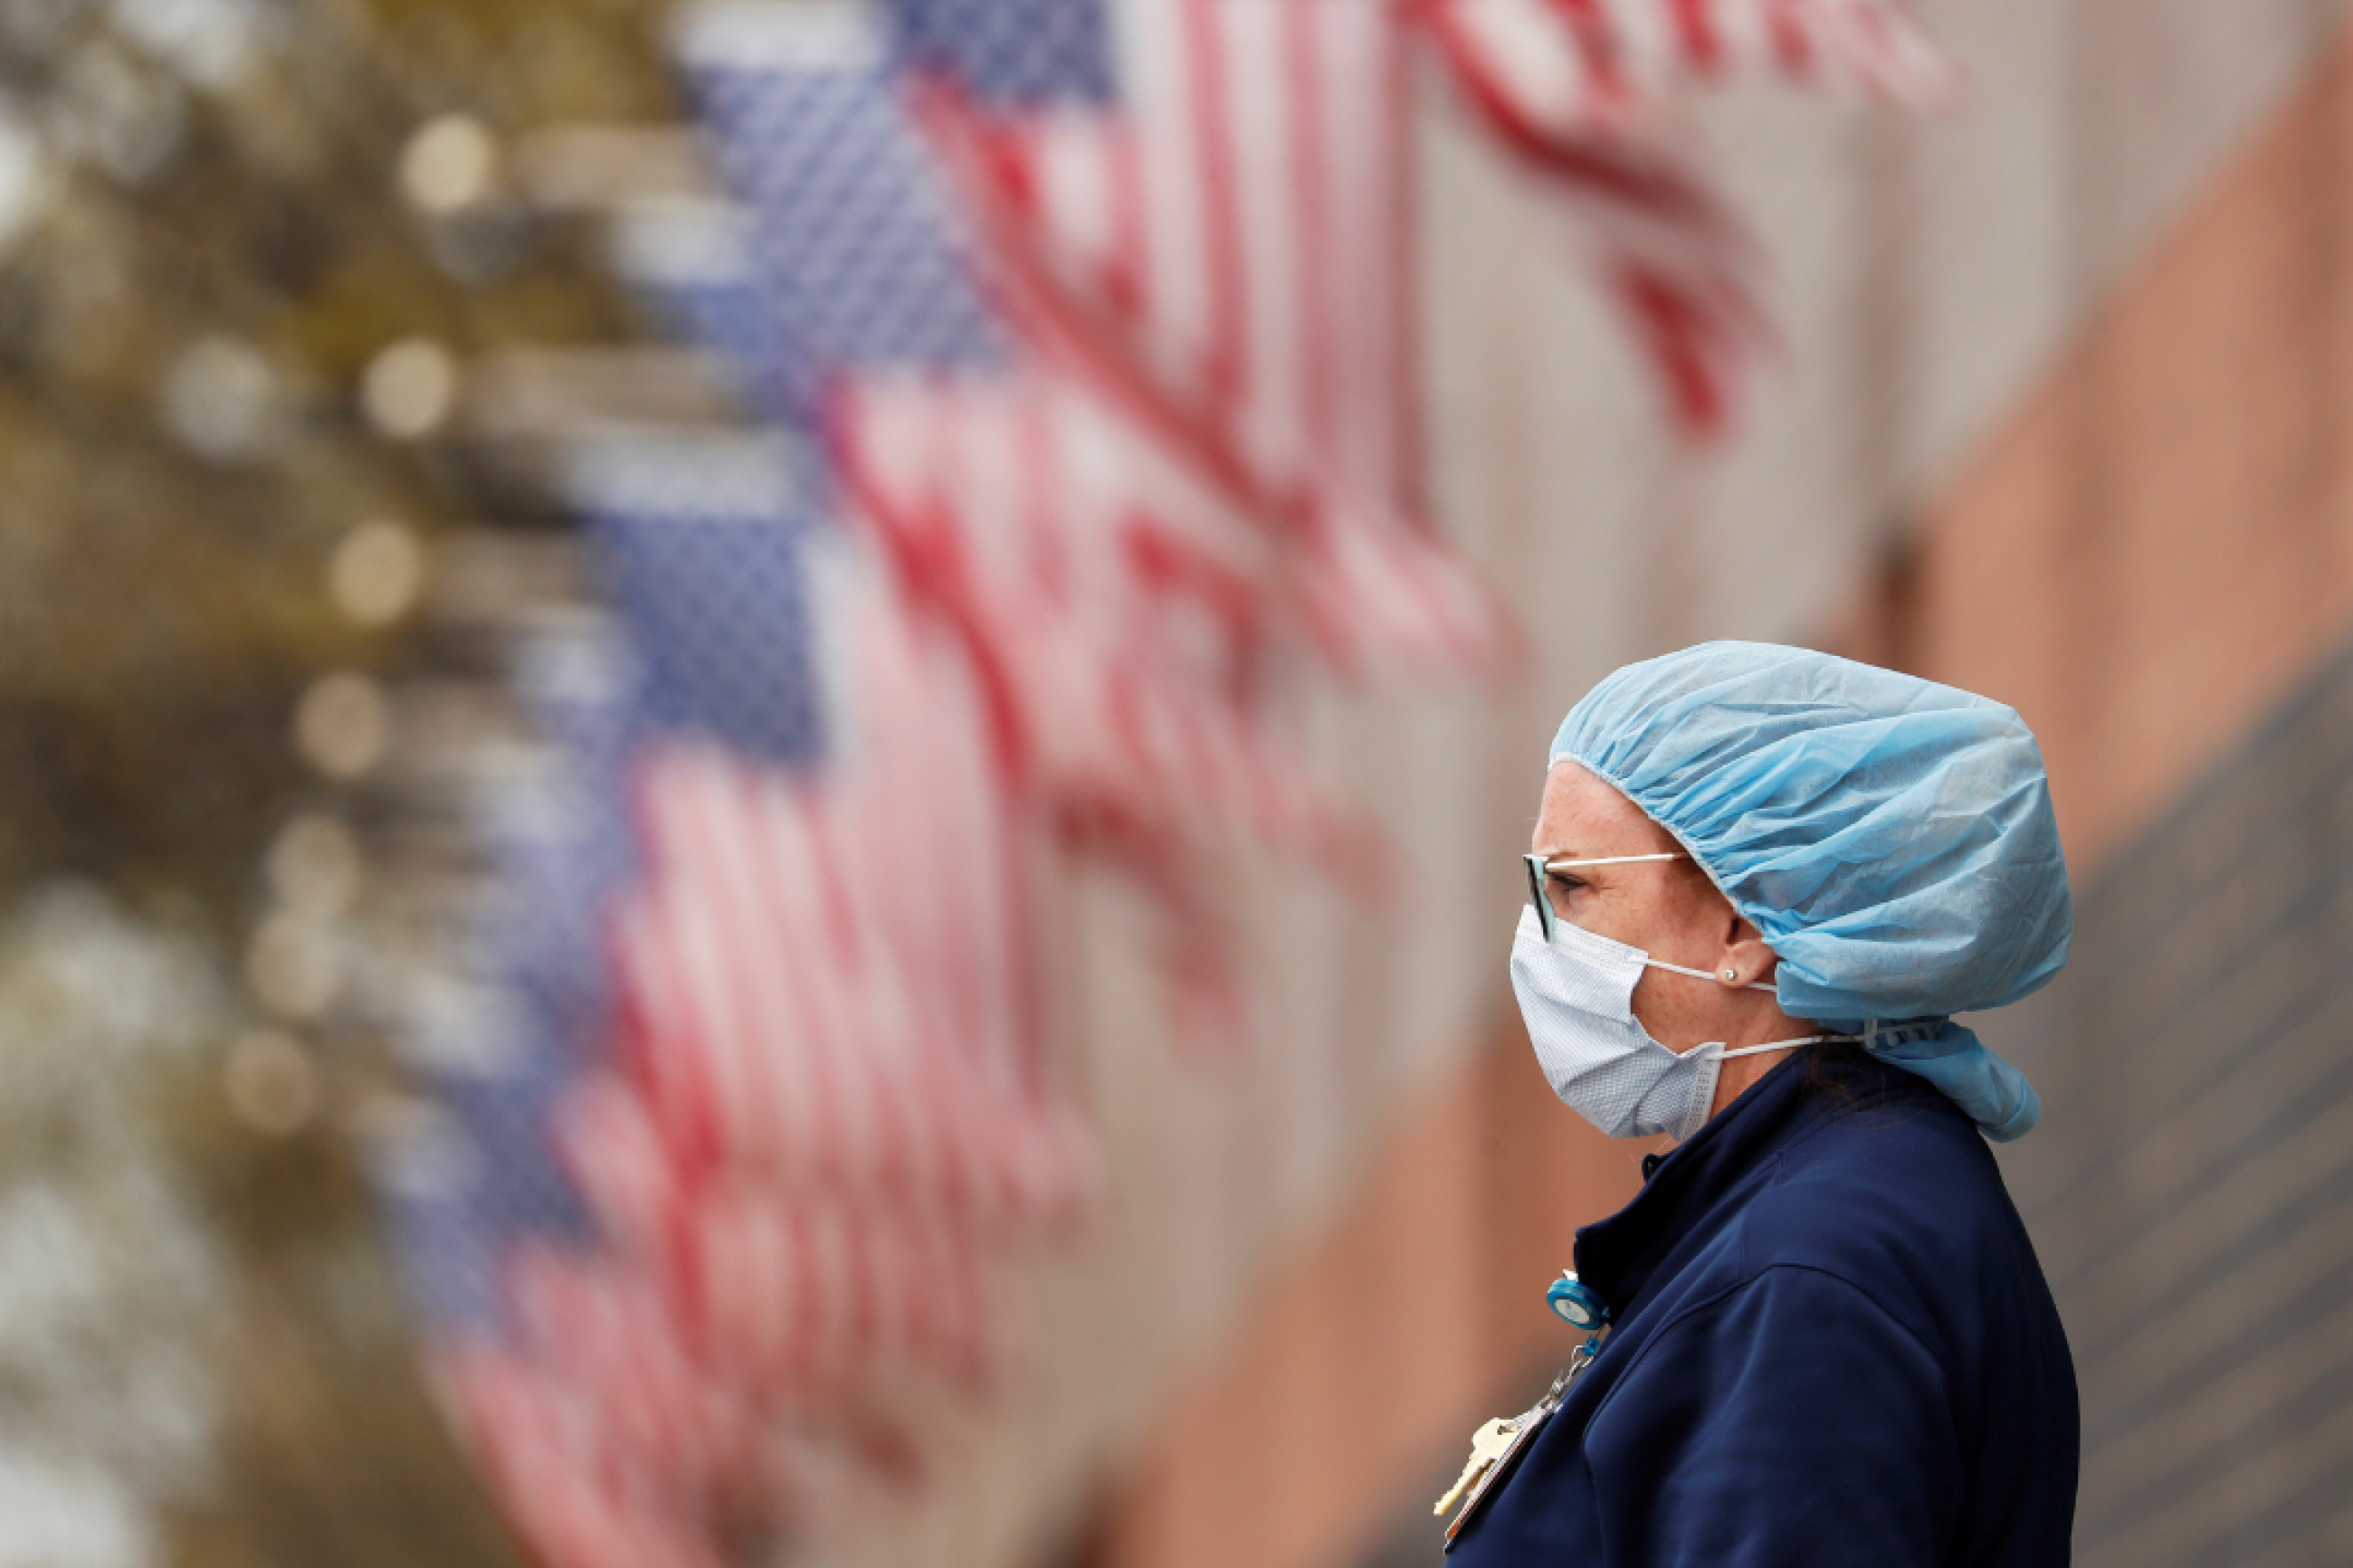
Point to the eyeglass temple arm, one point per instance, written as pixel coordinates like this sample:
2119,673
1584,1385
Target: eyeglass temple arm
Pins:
1607,860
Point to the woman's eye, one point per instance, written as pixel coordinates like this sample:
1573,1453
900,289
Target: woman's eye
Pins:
1565,882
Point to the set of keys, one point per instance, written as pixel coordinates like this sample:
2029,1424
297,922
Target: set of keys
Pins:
1496,1444
1488,1445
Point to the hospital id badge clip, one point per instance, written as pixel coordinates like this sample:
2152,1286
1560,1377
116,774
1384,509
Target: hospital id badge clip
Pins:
1496,1448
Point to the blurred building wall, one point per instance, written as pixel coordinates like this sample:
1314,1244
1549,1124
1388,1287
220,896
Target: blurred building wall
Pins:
2147,546
2194,1200
2154,562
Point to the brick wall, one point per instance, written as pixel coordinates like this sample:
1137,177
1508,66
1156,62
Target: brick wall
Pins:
2192,1187
2154,562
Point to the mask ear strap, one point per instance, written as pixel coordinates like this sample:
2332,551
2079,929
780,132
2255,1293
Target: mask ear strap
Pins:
1703,974
1780,1045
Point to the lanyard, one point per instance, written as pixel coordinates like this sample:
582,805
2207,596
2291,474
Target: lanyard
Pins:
1497,1446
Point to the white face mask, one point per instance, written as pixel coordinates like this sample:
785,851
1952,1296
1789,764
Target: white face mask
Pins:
1576,992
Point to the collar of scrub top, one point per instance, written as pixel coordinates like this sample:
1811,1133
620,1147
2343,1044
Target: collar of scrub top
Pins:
1539,868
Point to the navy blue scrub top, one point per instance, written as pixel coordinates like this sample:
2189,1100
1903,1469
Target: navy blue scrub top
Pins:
1832,1345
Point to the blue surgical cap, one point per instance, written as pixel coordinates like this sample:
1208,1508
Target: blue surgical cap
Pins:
1892,839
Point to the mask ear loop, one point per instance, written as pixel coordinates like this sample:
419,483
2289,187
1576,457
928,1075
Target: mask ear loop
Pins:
1776,1046
1704,974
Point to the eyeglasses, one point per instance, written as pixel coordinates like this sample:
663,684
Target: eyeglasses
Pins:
1539,868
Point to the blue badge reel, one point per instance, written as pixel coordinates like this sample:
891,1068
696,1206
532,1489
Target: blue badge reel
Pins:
1575,1304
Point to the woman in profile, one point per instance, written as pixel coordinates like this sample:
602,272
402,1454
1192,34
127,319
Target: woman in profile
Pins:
1763,881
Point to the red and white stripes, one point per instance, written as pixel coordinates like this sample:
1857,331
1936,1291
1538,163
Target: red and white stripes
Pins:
1576,67
825,1112
828,978
1116,613
1575,87
1223,255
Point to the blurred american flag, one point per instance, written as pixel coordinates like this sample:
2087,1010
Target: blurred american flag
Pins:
766,1087
1115,609
1207,227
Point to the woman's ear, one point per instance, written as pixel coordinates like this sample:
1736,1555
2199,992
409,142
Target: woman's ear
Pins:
1745,958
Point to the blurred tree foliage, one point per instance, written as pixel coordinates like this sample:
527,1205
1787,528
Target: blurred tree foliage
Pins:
204,244
220,248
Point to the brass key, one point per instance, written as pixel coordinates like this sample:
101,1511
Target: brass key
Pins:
1487,1446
